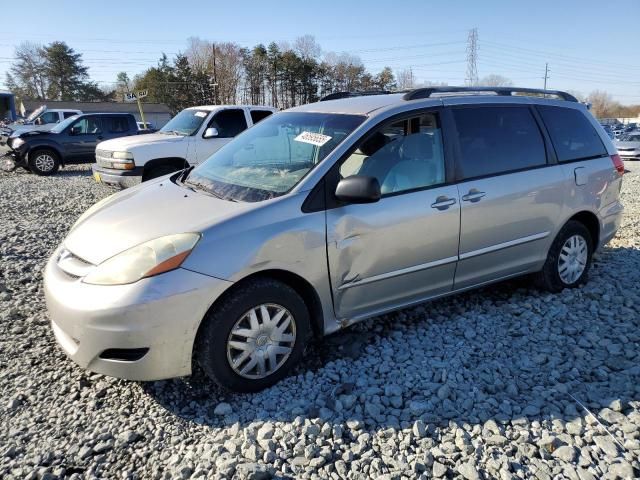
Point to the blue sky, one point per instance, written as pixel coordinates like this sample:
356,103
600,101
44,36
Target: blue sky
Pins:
589,44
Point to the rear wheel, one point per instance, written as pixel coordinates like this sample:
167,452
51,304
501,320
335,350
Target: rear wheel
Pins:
569,259
158,171
44,162
254,337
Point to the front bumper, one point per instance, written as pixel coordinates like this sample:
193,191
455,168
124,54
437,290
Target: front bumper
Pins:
629,154
161,314
117,178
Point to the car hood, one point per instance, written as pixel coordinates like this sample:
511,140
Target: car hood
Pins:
150,210
128,143
633,144
26,134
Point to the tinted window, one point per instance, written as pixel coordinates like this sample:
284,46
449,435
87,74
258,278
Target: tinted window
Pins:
497,139
572,134
87,126
69,114
404,155
257,115
229,123
118,124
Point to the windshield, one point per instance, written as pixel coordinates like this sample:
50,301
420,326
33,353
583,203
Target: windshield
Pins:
187,122
35,113
270,158
64,124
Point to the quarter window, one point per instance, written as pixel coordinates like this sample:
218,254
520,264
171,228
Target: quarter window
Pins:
496,140
257,115
572,134
229,123
405,155
118,124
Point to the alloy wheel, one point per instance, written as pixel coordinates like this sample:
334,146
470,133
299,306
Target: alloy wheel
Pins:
44,162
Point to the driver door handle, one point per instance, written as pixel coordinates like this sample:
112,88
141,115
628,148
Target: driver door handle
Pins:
474,195
443,202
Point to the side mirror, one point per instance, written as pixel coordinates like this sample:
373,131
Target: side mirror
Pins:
210,133
74,131
358,189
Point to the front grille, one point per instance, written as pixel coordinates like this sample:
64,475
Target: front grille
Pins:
104,154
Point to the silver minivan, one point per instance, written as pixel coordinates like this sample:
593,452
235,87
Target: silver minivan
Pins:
327,214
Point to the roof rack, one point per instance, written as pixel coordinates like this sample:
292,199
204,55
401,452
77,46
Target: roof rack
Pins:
338,95
503,91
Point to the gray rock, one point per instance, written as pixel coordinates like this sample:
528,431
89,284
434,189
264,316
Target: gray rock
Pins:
439,470
223,409
468,470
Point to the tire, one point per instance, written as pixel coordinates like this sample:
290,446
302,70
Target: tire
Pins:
560,273
214,352
44,162
158,171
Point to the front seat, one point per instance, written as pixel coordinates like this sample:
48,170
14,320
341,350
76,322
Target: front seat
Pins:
417,166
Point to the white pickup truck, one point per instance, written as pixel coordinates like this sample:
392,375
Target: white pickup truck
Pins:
189,138
42,118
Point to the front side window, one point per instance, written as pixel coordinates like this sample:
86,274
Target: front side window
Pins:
496,140
405,155
87,126
229,123
69,114
47,117
187,122
572,134
257,115
269,159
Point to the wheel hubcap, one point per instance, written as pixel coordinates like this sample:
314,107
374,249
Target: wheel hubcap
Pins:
44,162
261,341
573,259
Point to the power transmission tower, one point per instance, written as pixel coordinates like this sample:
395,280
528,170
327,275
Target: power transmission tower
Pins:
546,74
472,58
214,83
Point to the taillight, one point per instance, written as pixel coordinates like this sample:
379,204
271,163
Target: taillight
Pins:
618,163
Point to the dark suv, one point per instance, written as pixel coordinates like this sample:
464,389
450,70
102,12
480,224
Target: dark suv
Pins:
73,140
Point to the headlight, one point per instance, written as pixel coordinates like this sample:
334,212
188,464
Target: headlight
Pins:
123,155
16,143
145,260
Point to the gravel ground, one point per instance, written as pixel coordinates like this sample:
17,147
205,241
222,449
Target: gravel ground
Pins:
497,383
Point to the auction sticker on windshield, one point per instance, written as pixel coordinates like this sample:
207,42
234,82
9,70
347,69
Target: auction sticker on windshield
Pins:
316,139
200,114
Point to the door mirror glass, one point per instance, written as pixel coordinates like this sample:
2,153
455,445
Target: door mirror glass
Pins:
358,189
76,130
210,132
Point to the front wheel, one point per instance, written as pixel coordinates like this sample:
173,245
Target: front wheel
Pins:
569,259
44,162
254,337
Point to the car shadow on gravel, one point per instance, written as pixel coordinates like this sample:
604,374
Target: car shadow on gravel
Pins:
507,352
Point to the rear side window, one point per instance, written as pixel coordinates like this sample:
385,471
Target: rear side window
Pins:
257,115
572,134
229,123
69,114
496,140
118,124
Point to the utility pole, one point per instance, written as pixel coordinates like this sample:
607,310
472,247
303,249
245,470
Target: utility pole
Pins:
215,75
472,58
546,74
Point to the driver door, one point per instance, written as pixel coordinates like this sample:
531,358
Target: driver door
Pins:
82,138
403,248
229,123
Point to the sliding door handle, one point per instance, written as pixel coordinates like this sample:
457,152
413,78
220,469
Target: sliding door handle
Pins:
443,202
474,195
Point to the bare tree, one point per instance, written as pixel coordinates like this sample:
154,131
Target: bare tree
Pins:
495,80
404,79
307,47
27,77
602,104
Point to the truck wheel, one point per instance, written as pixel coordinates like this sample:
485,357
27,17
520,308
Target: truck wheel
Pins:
44,162
158,171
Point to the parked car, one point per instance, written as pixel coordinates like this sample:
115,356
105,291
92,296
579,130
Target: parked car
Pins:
41,119
188,139
327,214
71,141
628,145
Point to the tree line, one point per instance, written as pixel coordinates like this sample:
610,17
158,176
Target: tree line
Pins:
282,75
